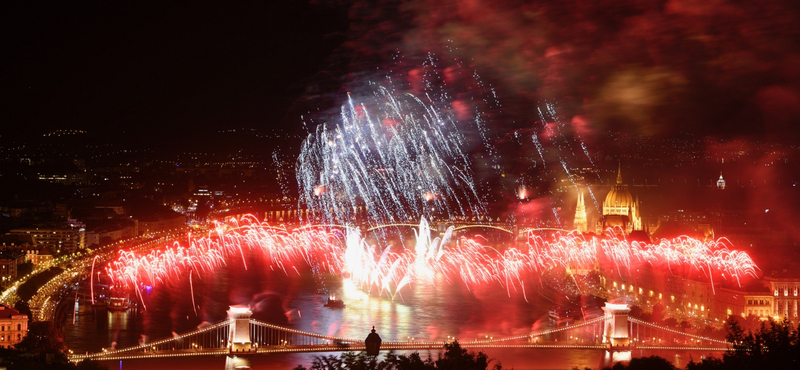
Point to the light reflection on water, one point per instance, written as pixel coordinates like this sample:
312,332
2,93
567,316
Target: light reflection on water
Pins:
424,312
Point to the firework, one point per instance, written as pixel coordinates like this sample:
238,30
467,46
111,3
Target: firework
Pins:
398,160
386,271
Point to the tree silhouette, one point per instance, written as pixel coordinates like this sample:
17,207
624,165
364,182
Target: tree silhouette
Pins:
645,363
775,345
453,358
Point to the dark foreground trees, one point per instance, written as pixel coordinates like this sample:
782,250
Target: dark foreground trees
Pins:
645,363
775,345
453,358
41,349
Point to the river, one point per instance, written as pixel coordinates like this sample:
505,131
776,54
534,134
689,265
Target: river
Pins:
423,311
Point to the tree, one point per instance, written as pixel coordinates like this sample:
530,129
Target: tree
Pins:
24,268
774,346
347,360
708,363
454,358
40,339
90,365
457,358
658,312
645,363
411,362
23,308
748,323
41,350
27,289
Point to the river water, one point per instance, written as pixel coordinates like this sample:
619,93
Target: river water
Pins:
424,311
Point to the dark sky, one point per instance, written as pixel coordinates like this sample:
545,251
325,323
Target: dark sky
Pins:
722,68
162,68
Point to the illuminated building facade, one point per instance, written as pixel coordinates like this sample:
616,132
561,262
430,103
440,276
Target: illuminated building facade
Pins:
39,257
682,294
581,223
9,260
690,295
721,182
161,223
756,301
620,209
59,238
758,304
13,326
785,291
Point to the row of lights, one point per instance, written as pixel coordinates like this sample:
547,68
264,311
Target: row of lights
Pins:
71,273
156,343
676,332
271,326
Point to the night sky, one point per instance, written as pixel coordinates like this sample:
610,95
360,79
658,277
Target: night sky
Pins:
726,69
163,69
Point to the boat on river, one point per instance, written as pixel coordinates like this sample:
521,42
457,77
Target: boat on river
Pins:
334,303
118,303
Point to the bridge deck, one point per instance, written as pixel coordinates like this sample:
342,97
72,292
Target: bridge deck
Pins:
262,338
358,348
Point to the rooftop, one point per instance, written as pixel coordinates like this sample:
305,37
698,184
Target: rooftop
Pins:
7,312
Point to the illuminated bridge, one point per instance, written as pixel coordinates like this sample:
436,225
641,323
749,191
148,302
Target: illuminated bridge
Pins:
514,229
241,335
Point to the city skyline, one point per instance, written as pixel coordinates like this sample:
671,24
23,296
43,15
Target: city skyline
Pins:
595,182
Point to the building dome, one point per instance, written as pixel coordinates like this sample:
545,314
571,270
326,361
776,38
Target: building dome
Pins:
618,201
620,209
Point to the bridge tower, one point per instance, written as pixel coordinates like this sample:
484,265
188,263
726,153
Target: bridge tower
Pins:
615,331
240,328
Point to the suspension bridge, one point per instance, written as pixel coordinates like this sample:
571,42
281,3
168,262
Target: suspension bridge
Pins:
240,335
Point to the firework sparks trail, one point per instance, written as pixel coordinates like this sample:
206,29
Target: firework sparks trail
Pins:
210,252
402,162
387,271
91,278
565,148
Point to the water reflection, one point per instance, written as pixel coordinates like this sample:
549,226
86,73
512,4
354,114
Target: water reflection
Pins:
612,357
440,311
424,312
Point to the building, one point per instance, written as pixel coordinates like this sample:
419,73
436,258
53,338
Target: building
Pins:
721,182
9,260
684,292
759,304
581,223
13,326
684,222
753,300
161,223
104,232
728,302
784,289
60,238
38,256
620,209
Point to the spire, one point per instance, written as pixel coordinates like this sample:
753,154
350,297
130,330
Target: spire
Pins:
580,223
619,172
637,218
